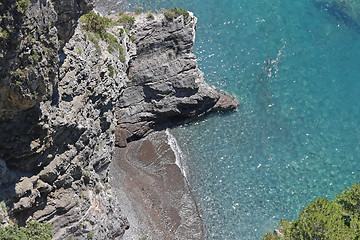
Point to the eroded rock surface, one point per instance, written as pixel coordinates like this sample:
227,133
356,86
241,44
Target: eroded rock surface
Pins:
165,85
56,148
55,154
32,34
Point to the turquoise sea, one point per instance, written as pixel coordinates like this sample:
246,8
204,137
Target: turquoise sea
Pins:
296,133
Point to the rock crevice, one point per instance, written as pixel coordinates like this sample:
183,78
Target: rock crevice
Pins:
56,146
165,85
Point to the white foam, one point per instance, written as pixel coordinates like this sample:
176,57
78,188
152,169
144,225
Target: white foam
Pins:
274,63
179,156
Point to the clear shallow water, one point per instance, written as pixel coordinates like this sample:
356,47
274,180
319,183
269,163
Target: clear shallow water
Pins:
296,133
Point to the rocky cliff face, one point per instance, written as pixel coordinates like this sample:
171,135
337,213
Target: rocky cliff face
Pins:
55,148
166,86
56,144
31,36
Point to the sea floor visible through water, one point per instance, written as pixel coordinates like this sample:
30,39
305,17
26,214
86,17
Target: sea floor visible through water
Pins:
294,68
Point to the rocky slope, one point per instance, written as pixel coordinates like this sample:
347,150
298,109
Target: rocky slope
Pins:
31,37
166,85
59,125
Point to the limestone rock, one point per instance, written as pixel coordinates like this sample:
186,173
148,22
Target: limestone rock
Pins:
65,142
165,85
25,186
89,99
30,41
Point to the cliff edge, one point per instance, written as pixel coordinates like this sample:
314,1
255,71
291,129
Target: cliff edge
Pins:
71,90
166,87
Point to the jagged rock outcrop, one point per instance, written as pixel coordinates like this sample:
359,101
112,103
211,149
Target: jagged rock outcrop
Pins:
31,36
55,149
166,85
68,12
67,145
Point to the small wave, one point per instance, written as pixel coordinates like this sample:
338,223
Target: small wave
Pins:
273,64
179,156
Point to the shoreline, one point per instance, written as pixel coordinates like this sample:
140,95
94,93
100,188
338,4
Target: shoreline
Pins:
158,202
179,161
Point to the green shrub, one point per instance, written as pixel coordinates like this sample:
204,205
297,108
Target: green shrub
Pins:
32,231
112,41
150,16
34,57
270,236
126,20
173,13
350,199
122,55
95,40
3,205
138,10
5,35
90,235
20,73
111,71
324,219
321,219
98,26
93,22
22,5
121,32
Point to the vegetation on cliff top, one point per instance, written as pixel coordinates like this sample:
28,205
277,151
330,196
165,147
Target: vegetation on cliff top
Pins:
98,25
32,231
22,5
324,219
173,13
27,40
126,20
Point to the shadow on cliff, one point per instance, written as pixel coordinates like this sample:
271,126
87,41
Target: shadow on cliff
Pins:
27,145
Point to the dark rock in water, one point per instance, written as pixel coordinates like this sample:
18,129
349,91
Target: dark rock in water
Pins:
346,11
165,85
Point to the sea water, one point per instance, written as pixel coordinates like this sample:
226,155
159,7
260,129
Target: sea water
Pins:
294,68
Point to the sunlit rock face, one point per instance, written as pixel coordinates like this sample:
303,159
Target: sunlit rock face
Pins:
31,37
66,100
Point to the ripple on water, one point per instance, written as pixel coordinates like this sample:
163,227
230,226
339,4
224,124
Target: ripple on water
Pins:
296,133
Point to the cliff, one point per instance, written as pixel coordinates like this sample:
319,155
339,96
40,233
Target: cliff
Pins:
70,92
32,35
166,86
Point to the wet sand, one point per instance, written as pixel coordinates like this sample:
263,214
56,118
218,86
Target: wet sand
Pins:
154,195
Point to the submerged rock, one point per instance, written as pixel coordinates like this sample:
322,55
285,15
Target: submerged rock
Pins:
347,11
